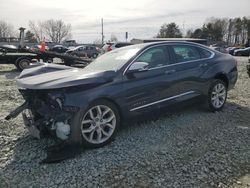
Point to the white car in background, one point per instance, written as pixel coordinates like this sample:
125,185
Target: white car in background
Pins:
109,46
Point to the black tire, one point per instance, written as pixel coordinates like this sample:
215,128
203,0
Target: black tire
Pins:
94,56
49,60
210,102
22,63
76,135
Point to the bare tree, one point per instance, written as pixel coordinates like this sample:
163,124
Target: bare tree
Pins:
6,30
189,33
57,30
53,30
37,29
97,41
113,38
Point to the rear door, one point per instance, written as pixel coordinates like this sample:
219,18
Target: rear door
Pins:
80,51
188,66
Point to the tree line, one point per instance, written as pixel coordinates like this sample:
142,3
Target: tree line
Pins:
52,30
232,31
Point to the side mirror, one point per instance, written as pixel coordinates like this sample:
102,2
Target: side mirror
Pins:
138,67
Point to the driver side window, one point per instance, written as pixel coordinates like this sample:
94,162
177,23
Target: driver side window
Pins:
155,57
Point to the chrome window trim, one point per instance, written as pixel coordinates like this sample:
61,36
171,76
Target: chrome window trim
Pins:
212,55
162,100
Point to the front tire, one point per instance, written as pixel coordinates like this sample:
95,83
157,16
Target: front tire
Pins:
217,95
96,126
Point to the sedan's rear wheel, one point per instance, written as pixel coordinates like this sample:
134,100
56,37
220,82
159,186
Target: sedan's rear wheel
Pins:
217,95
94,55
98,124
22,63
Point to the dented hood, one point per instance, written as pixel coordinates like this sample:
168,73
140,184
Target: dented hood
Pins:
51,76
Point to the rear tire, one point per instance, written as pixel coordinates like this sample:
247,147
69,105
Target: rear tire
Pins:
96,126
217,95
94,56
22,63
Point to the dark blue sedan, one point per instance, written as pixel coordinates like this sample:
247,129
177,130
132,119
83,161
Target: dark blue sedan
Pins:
87,105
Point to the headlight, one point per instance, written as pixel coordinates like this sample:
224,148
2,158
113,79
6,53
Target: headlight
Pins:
56,100
59,102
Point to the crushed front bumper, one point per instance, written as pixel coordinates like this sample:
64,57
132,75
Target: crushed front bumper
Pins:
13,114
28,120
41,119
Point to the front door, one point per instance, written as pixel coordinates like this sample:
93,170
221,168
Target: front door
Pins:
144,89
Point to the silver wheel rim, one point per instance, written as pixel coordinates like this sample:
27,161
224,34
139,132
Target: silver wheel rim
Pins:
24,64
98,124
218,95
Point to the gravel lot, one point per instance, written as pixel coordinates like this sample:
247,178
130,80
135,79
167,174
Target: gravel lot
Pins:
190,147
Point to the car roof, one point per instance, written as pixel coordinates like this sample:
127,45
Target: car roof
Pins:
171,42
59,45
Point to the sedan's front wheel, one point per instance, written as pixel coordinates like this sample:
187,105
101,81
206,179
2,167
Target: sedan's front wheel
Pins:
217,95
97,125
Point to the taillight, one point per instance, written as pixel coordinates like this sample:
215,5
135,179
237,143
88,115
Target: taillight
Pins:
109,48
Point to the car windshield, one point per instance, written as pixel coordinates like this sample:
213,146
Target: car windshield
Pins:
114,60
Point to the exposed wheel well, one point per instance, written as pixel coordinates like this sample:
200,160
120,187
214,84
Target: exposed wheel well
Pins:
223,78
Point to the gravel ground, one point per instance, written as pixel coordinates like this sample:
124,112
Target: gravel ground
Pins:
190,147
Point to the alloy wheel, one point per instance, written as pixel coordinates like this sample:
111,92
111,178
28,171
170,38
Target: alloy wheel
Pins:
218,96
98,124
24,64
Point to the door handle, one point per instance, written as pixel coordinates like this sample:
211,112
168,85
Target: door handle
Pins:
170,71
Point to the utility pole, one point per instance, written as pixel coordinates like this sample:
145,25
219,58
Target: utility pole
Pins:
102,33
21,37
183,28
126,36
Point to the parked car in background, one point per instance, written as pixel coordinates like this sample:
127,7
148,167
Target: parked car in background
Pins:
84,51
232,49
218,48
8,48
87,105
38,47
242,52
59,49
113,45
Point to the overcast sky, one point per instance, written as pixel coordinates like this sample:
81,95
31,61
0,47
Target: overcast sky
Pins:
141,18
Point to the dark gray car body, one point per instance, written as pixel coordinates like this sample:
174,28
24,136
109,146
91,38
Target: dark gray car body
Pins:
134,94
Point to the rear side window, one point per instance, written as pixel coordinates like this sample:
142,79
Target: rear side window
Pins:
185,53
205,53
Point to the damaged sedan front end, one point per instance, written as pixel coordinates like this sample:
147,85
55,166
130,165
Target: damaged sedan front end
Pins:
51,97
44,112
